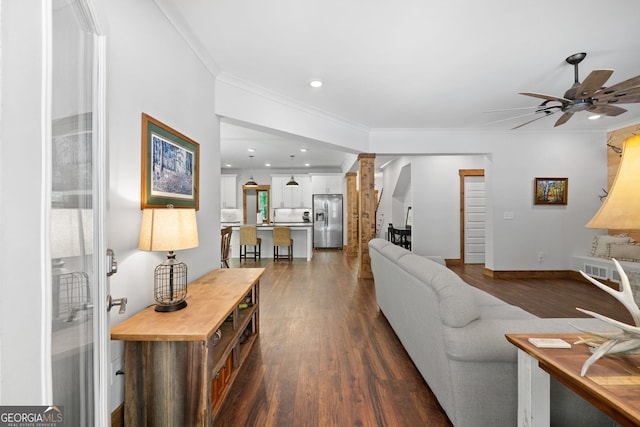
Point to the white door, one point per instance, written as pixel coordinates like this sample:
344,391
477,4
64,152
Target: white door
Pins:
79,319
474,219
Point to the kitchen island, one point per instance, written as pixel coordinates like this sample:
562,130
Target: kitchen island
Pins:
301,233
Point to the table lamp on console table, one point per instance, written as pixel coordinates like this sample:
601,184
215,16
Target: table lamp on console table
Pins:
620,211
169,230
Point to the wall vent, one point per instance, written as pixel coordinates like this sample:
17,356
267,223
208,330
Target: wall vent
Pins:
596,271
615,276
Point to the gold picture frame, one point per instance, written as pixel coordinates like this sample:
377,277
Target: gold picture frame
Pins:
170,167
550,191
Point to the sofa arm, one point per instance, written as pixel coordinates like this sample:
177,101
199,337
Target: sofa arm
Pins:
484,340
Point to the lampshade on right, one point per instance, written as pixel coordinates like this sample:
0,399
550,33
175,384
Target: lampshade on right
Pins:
621,208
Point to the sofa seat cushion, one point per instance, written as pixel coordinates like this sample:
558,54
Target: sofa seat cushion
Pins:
504,311
483,298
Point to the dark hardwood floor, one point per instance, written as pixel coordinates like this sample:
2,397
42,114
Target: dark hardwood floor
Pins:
326,356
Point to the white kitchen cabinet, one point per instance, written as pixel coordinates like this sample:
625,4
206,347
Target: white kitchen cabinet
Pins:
228,191
327,184
291,197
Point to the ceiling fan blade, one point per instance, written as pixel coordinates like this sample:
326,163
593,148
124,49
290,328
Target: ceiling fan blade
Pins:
500,110
547,113
563,101
626,84
594,81
632,99
618,95
606,109
563,119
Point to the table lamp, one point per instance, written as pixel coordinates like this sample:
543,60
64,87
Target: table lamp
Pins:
620,211
621,208
169,230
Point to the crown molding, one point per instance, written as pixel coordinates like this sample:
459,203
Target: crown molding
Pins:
263,92
171,12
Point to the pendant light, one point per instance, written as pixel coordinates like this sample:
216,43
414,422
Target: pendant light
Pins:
251,182
292,182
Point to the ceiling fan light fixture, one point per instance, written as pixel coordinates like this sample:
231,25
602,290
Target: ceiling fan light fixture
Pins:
591,95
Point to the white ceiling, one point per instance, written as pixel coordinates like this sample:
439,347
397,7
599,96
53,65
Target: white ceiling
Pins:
415,63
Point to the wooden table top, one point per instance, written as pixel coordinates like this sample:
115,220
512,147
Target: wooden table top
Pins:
611,384
210,300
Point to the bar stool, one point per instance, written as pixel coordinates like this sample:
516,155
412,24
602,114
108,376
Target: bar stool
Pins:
282,237
249,237
225,246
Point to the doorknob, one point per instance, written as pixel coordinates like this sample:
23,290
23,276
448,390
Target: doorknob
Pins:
122,302
112,264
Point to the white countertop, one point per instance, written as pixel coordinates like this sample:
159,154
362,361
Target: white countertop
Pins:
273,224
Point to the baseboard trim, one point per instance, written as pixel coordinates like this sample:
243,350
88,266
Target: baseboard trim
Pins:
453,261
117,416
544,274
529,274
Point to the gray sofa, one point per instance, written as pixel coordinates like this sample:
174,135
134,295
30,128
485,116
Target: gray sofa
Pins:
454,333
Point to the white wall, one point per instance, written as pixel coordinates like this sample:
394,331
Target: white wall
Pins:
24,312
151,69
511,162
436,203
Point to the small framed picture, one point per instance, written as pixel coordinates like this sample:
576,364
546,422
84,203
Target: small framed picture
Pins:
551,191
170,167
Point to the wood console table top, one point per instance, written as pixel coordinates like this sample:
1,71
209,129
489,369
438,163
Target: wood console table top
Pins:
612,384
210,300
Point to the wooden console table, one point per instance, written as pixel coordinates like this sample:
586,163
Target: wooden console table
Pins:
612,384
177,372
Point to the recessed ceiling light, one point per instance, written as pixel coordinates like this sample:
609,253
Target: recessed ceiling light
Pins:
304,150
251,150
307,164
594,117
267,164
227,165
315,83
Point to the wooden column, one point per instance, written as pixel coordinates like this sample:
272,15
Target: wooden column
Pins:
352,214
367,215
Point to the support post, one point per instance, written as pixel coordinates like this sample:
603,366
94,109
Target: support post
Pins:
367,212
352,214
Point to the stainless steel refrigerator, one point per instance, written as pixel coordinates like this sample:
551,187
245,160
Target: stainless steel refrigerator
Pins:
327,221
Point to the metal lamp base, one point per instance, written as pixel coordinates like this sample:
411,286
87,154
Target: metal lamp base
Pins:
173,307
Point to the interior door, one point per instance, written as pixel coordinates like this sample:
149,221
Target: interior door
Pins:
474,220
79,319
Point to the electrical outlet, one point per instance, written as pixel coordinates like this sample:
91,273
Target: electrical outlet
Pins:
540,257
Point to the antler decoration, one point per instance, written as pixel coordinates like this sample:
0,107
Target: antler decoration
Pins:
627,339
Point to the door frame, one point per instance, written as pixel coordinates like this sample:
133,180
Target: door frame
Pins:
463,173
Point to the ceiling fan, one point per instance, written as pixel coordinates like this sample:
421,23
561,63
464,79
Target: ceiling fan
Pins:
590,95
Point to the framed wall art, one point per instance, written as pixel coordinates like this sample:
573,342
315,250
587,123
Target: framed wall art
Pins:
551,191
170,167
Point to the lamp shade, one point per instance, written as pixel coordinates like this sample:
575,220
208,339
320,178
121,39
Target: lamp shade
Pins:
168,230
621,208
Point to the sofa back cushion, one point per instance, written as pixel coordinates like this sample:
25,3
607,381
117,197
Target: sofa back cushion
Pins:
458,306
456,300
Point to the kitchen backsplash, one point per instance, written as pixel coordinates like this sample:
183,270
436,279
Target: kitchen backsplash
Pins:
289,214
230,215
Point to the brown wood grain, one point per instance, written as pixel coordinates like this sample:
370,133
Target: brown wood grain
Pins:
210,300
326,356
620,399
